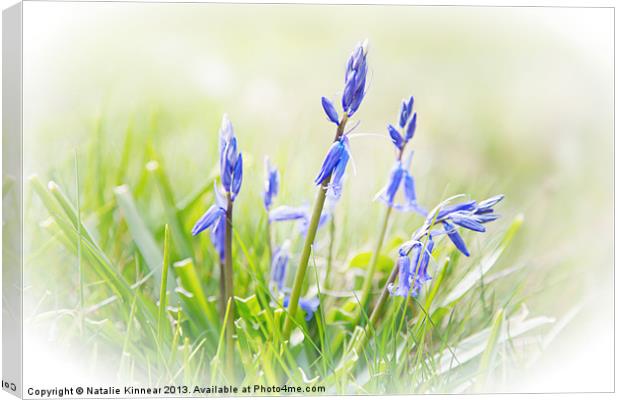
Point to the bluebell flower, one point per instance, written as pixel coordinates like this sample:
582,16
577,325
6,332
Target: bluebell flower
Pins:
272,184
486,206
334,166
400,176
455,237
231,160
310,306
330,110
404,277
421,273
355,79
288,213
279,264
470,215
417,273
214,218
301,214
405,112
464,206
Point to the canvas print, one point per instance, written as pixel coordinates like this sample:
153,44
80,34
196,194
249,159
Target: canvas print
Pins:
302,199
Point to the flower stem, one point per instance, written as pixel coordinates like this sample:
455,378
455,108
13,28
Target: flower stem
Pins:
310,235
358,342
228,289
269,245
330,254
372,266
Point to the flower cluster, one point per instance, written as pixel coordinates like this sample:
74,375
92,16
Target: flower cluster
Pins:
400,175
335,163
407,120
354,85
231,173
414,256
469,215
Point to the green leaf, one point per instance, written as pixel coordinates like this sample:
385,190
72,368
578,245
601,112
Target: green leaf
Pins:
361,260
186,272
473,277
161,315
141,235
486,360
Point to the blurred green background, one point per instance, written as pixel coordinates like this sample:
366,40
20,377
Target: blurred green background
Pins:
510,100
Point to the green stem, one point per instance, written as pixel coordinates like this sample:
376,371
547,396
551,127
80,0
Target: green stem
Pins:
358,342
228,288
269,245
310,235
330,254
372,266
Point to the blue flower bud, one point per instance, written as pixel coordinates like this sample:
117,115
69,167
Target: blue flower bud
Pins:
397,139
411,127
455,237
330,110
404,277
355,80
486,205
209,218
465,206
231,165
335,164
237,178
214,218
467,222
422,270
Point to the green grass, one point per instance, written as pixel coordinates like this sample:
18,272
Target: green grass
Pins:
149,290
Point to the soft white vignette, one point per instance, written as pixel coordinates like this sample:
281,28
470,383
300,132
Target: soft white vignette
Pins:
584,368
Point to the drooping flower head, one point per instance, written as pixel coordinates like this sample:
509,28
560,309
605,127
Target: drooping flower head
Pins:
272,184
400,175
231,160
469,215
413,259
231,175
279,264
